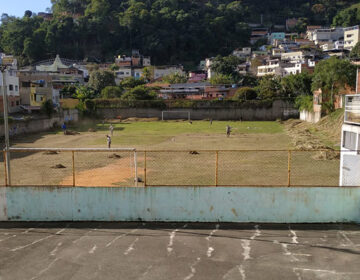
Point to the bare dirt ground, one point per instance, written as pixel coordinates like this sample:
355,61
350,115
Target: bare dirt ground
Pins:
177,168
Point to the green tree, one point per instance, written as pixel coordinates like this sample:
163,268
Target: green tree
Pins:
348,17
139,93
148,73
226,65
111,92
47,107
100,79
299,84
269,88
175,78
330,76
221,79
305,102
131,82
245,93
84,92
355,52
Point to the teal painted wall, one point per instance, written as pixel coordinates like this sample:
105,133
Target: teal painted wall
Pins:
197,204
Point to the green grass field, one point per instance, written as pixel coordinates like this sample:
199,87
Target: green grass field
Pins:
179,167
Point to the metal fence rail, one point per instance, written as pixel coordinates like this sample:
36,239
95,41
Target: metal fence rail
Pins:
130,167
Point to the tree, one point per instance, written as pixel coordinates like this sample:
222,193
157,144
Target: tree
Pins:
28,13
139,93
131,82
148,73
355,52
269,88
330,76
248,80
304,102
84,92
295,85
100,79
245,93
47,107
226,65
111,92
348,17
175,78
221,79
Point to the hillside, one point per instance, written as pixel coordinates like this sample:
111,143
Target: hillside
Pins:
170,31
326,134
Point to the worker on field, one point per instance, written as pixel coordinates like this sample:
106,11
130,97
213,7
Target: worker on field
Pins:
64,128
228,131
210,121
108,140
111,128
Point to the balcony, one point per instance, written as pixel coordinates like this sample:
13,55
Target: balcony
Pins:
352,109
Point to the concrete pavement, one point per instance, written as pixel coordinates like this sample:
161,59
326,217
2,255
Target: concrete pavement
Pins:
184,251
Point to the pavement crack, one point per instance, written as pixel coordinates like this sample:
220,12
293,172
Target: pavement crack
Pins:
210,249
193,269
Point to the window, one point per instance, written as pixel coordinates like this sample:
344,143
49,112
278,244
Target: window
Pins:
16,88
17,103
349,141
25,84
11,87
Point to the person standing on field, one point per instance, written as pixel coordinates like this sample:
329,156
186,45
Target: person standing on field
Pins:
228,131
108,140
111,128
64,128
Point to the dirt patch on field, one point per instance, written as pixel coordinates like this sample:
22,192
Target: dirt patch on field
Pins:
116,174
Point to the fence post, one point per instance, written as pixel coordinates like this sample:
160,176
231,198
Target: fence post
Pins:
216,168
289,168
135,166
144,168
5,169
73,167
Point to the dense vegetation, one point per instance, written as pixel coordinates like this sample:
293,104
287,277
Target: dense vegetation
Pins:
170,31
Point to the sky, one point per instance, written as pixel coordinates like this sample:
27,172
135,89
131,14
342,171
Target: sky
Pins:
18,7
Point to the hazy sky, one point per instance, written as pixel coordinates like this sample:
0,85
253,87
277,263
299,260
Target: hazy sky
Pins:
18,7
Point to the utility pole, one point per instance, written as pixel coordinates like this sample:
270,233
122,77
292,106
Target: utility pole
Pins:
6,124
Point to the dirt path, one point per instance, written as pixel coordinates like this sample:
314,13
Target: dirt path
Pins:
115,174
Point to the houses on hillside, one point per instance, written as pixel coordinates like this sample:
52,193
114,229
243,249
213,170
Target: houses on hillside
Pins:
12,83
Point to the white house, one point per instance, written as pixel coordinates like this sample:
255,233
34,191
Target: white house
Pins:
160,71
12,83
324,35
351,37
350,143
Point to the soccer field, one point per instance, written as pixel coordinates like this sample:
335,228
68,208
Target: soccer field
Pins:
177,153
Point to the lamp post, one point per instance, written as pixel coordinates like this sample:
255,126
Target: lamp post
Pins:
6,125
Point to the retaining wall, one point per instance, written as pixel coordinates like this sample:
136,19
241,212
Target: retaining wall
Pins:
38,125
279,110
182,204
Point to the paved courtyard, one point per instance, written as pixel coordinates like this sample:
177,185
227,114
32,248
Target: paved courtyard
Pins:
183,251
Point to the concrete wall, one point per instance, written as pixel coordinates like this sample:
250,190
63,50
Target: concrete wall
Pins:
196,204
38,125
312,117
279,110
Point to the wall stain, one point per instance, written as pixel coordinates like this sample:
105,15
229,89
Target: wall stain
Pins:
211,208
234,212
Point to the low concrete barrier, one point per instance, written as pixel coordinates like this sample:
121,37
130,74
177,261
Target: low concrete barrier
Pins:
182,204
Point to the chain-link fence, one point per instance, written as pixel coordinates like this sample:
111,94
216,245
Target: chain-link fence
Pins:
67,167
128,167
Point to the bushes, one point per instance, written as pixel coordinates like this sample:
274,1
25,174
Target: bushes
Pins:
191,104
245,93
304,102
